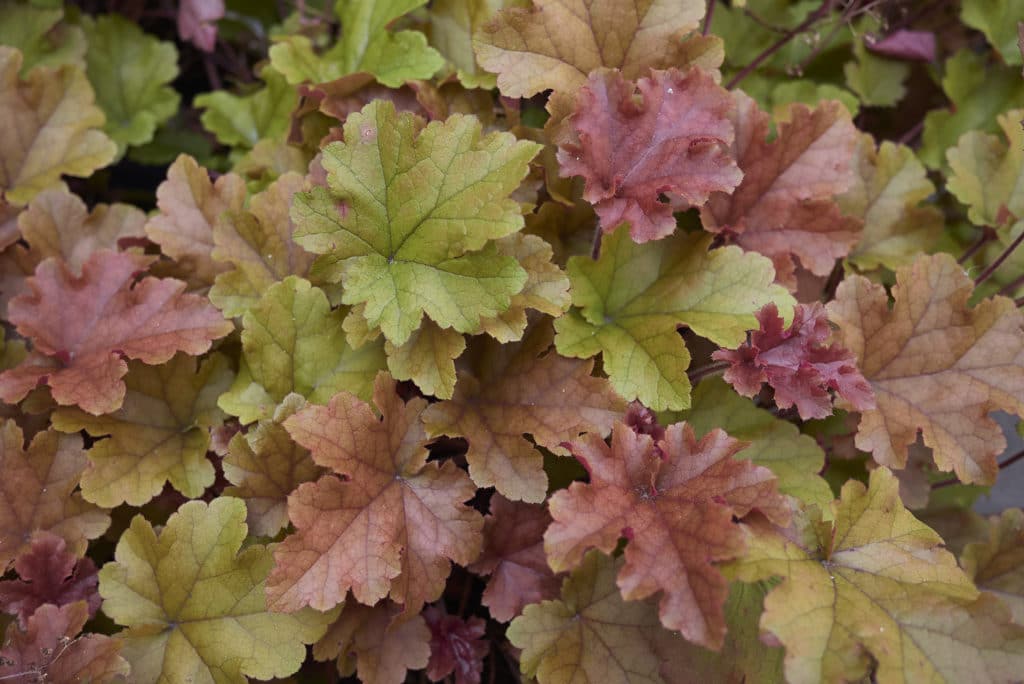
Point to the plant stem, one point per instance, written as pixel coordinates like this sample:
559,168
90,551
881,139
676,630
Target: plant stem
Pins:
1003,465
987,236
707,17
814,16
999,260
1008,289
912,134
698,374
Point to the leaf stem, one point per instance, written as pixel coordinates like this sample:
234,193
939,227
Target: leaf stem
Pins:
987,236
814,16
1003,465
707,17
999,260
698,374
1008,289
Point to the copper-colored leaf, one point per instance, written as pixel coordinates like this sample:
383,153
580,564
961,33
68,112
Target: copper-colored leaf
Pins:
785,206
83,327
506,391
673,139
36,492
49,573
391,527
674,501
368,641
189,208
936,366
797,363
50,649
457,646
514,558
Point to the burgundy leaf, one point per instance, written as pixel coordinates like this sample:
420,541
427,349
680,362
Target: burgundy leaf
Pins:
456,645
49,573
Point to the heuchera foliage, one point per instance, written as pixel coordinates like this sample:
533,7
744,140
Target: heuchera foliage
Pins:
555,341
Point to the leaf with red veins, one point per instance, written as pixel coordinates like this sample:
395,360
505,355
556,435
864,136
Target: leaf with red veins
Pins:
675,139
37,488
51,649
370,642
797,363
83,327
49,573
514,558
456,646
674,501
785,207
391,527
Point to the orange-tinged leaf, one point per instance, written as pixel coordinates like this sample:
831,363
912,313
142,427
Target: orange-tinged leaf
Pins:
506,391
674,500
83,327
513,557
51,649
785,207
49,126
936,365
391,527
666,134
370,642
37,492
189,208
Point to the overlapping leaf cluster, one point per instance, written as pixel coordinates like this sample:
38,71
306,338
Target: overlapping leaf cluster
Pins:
397,338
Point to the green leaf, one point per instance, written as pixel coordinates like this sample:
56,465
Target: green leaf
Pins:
407,221
365,45
997,19
452,25
42,37
242,120
775,444
988,173
634,297
195,607
293,342
979,90
160,434
130,71
878,81
428,359
875,591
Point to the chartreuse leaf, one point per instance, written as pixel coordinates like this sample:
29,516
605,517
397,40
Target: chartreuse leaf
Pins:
160,433
243,120
634,297
888,189
988,174
997,19
130,71
996,563
775,444
875,587
408,217
194,607
293,342
591,634
365,45
49,126
452,25
979,90
878,81
42,37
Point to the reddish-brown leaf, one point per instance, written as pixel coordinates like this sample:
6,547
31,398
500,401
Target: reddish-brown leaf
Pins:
785,206
674,501
49,573
390,527
797,363
370,642
456,646
36,492
673,139
514,558
50,649
83,327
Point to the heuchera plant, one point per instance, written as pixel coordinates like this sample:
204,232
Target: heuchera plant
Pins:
604,342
